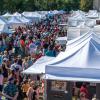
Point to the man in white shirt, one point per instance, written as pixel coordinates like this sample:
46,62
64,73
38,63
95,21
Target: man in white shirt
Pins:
32,47
15,65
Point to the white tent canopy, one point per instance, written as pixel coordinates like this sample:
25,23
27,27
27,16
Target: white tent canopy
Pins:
14,20
96,29
72,23
79,18
32,14
4,29
74,42
78,12
16,14
92,14
2,21
4,26
23,19
81,62
74,32
90,22
55,12
43,12
7,14
62,40
39,66
78,15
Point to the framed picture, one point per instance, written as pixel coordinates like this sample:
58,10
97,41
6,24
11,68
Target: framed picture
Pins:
58,85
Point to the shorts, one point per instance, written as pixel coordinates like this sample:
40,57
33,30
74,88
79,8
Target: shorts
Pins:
24,94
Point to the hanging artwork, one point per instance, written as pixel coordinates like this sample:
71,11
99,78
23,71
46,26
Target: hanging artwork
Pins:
58,86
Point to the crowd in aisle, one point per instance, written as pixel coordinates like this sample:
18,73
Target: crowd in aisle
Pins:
20,50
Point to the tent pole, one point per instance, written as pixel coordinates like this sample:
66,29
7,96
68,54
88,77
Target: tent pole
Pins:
98,91
45,90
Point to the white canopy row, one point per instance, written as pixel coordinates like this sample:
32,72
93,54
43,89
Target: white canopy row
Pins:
79,62
22,19
82,19
37,14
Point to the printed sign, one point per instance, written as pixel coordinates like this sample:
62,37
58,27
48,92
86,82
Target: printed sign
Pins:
58,86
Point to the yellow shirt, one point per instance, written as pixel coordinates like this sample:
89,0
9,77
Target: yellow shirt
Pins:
25,87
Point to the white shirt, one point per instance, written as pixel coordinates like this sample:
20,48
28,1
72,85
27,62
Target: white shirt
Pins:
32,47
15,65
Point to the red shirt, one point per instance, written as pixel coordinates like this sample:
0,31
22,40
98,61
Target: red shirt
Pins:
84,90
22,43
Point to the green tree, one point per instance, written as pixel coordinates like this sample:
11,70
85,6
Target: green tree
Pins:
61,4
33,5
18,5
1,6
29,5
85,5
75,4
9,5
42,5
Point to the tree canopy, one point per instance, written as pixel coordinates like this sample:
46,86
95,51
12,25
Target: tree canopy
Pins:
85,5
35,5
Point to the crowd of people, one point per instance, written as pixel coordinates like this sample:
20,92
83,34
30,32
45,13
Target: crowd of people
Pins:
18,51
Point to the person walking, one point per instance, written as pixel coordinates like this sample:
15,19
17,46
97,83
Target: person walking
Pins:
10,91
30,91
83,96
84,90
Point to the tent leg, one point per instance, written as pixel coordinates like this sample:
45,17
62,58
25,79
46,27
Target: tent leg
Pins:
98,91
45,90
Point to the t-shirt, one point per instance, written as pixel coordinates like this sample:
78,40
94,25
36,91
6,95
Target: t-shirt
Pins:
51,53
25,87
15,65
22,43
32,47
10,89
84,90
